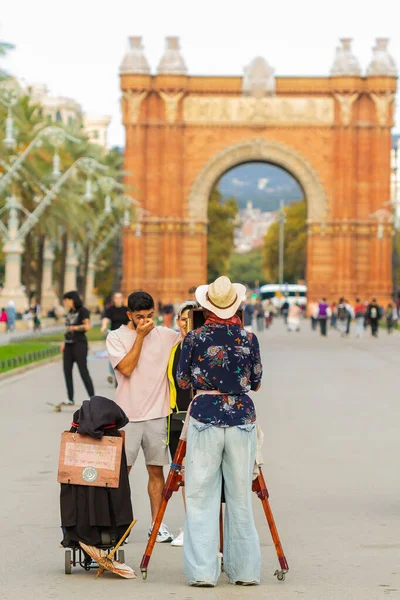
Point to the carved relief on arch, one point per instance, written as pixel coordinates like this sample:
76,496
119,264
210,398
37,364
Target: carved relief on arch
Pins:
131,102
346,102
384,110
258,149
171,103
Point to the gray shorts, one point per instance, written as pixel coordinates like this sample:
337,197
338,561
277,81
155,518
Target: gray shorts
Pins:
152,437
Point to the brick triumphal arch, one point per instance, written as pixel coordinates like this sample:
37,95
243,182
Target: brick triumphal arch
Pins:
333,134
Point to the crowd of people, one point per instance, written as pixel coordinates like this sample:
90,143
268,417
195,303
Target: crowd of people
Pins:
341,316
9,316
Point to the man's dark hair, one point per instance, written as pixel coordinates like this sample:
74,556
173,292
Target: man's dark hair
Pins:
75,297
140,301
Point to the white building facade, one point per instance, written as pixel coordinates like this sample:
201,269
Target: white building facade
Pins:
68,112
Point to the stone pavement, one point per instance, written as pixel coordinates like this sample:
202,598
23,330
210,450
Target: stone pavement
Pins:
330,411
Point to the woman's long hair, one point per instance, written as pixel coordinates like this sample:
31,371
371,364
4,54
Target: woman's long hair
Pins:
75,297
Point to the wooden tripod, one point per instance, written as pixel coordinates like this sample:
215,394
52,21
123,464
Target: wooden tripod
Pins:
175,481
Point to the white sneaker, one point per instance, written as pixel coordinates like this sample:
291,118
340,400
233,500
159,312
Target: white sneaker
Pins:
178,541
163,534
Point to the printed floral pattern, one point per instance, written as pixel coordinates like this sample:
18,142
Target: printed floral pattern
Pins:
224,358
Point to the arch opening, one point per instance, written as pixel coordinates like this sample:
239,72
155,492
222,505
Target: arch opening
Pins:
259,150
243,225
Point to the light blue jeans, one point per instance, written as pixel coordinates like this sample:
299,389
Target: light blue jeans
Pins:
212,452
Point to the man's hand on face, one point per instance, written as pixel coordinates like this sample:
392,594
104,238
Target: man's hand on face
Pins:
145,327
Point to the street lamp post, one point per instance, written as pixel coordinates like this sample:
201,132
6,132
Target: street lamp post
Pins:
395,199
55,135
95,253
9,96
282,220
14,234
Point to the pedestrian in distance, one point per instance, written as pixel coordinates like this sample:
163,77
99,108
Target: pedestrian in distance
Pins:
395,316
248,311
285,310
269,312
11,316
389,313
312,314
360,312
374,315
333,315
139,353
179,398
75,346
324,312
221,362
114,316
168,312
294,316
260,318
342,317
3,317
350,316
34,310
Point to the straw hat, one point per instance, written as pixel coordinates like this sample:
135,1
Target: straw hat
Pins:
221,297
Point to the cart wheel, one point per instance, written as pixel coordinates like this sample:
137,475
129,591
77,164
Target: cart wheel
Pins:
121,556
280,575
68,566
144,574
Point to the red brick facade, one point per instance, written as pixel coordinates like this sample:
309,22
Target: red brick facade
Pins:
343,164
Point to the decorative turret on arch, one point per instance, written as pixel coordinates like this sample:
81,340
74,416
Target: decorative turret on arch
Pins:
261,150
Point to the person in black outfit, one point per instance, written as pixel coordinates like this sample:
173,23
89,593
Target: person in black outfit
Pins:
75,346
180,399
113,318
285,311
373,316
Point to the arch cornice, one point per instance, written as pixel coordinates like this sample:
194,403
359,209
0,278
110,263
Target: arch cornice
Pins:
258,149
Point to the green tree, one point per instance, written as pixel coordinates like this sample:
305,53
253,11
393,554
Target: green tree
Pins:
295,249
5,47
221,227
247,268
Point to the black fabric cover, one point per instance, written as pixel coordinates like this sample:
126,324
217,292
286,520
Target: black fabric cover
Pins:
90,514
97,413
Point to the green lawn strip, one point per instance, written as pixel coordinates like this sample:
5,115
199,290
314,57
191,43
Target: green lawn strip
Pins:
17,354
19,348
93,335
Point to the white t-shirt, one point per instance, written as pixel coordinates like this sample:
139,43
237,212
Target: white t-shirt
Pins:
145,394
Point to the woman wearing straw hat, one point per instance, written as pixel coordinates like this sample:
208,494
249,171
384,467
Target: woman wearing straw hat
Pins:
221,362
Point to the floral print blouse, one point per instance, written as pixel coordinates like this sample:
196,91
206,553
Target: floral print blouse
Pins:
224,358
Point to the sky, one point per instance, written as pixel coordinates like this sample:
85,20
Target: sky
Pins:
76,47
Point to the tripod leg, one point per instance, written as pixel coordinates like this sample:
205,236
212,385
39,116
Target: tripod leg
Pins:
152,539
260,488
221,530
221,536
172,485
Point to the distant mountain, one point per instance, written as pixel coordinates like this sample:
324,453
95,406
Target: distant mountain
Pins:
263,184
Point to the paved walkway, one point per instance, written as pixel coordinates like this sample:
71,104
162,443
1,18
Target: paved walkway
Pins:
330,410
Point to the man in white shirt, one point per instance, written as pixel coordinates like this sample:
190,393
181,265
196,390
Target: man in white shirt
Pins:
139,353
